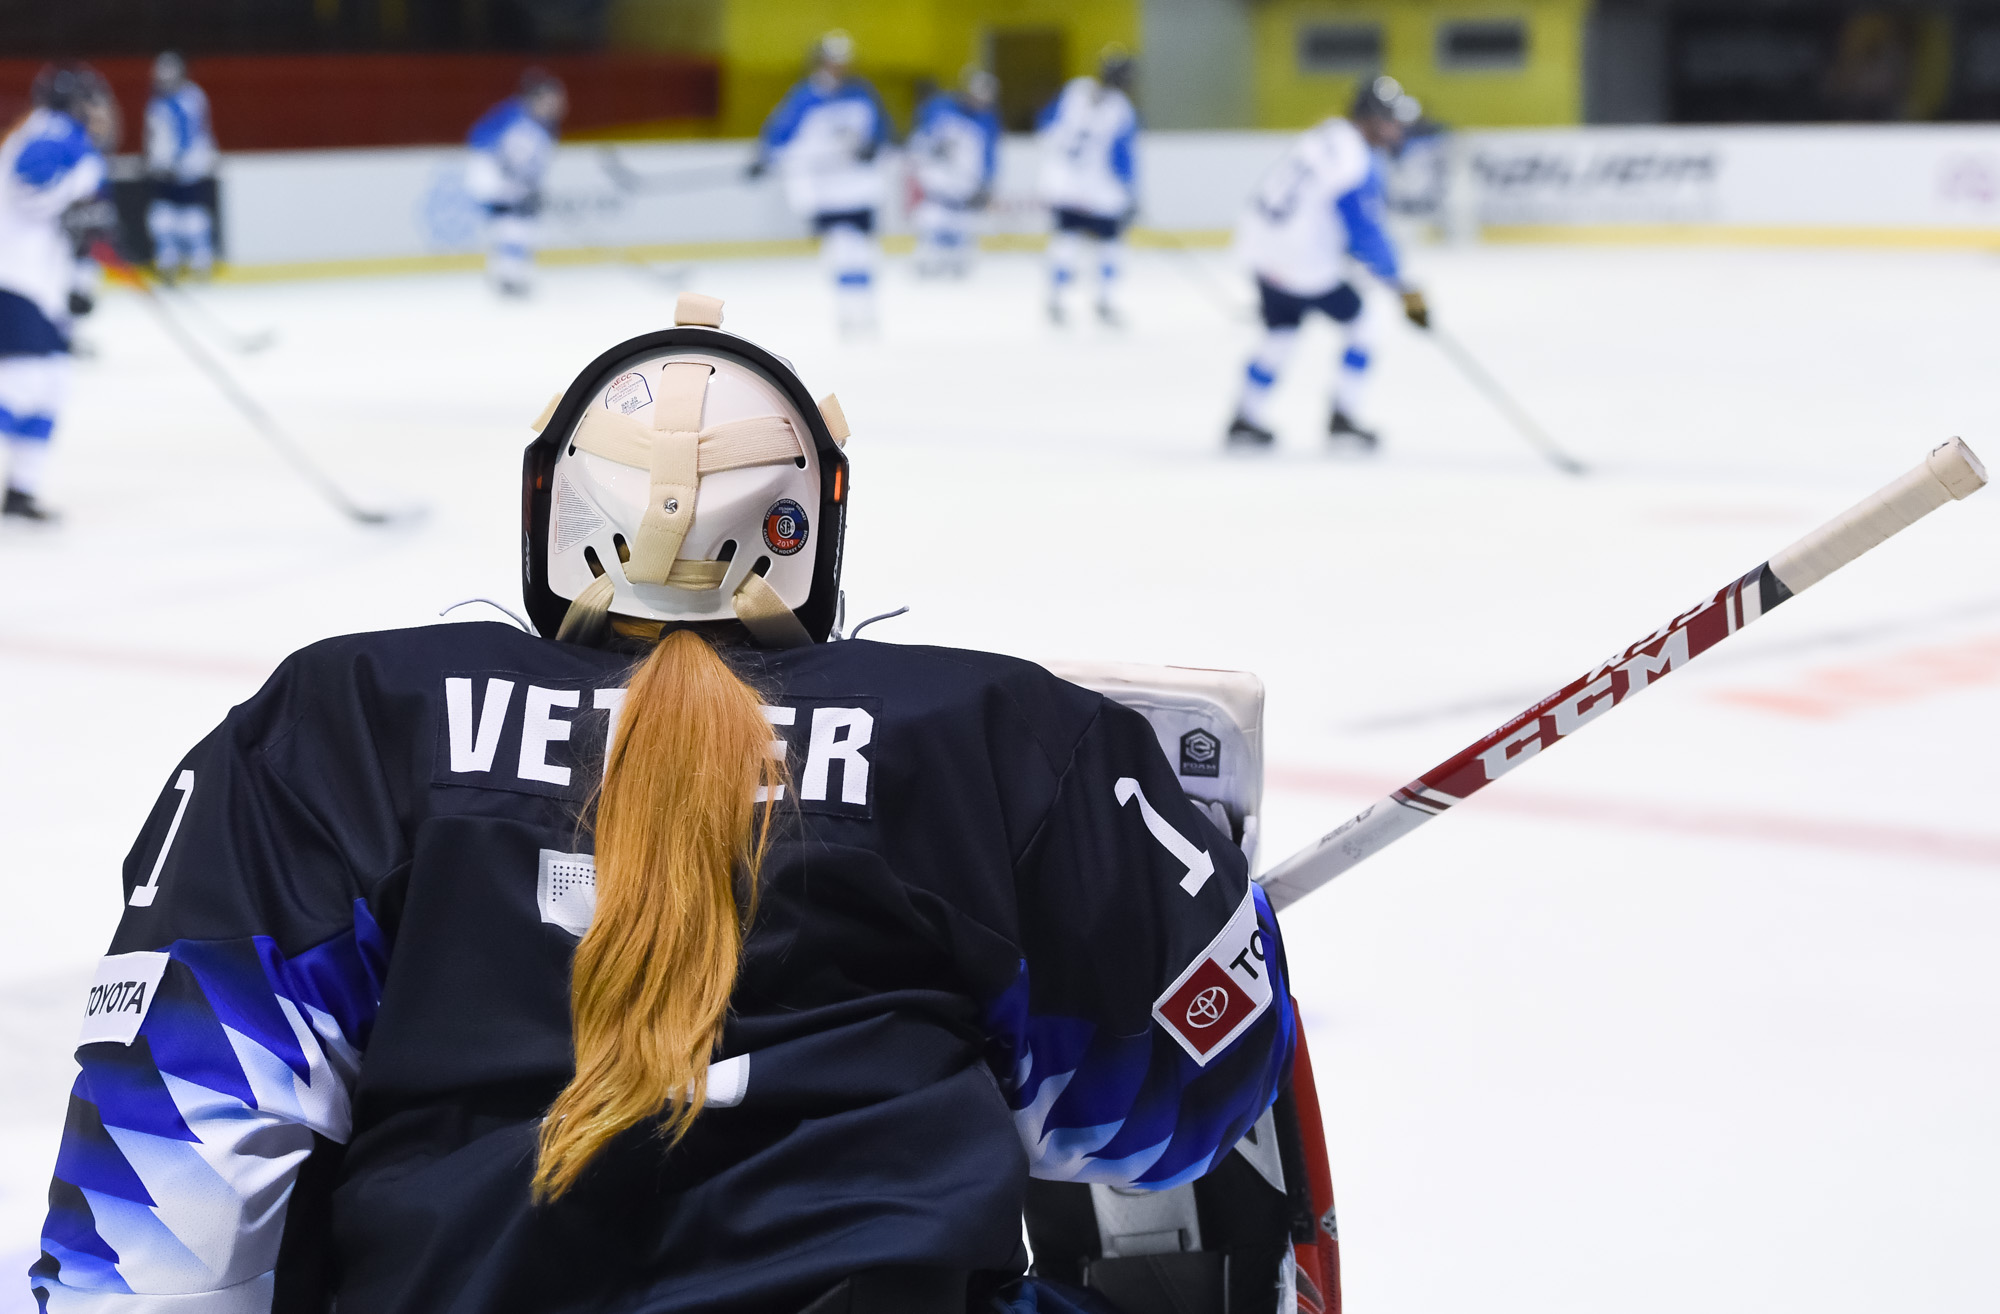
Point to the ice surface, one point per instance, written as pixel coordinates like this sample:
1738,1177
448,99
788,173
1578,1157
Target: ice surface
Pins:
1699,1012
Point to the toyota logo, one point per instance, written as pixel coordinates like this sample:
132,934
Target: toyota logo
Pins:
1207,1008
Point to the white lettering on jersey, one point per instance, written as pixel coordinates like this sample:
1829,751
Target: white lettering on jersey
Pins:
779,748
1223,991
728,1081
539,729
610,702
1199,865
120,994
827,745
472,749
142,896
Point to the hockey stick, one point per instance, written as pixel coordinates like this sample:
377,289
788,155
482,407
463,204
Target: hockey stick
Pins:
632,182
1950,472
244,344
1476,374
1202,277
672,277
259,418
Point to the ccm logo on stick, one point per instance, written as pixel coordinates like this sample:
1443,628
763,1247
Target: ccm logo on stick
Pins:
1223,991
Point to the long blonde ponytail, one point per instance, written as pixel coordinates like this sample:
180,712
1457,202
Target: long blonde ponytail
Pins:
677,823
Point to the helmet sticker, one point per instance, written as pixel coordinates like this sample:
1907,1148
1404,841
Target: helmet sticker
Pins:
785,527
627,393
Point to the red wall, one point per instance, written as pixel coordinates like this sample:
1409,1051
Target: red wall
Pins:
294,102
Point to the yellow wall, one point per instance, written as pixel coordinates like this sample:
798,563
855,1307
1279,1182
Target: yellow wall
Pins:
762,44
1549,89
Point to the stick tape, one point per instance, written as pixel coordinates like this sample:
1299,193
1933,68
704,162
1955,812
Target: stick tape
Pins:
1950,472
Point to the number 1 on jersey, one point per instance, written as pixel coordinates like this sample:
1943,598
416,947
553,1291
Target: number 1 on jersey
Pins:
142,897
1199,865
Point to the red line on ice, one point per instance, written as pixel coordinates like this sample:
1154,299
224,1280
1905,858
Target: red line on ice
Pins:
1847,836
56,650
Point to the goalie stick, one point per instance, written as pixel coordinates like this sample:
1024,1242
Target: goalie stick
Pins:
1949,473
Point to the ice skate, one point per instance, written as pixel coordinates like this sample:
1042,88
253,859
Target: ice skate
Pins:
1343,428
1245,436
27,507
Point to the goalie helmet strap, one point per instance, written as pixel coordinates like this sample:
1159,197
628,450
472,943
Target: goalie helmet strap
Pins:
764,440
765,615
674,457
584,622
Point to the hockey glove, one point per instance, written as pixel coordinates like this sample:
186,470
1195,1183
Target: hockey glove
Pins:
1415,309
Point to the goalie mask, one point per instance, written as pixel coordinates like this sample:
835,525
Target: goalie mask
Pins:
686,476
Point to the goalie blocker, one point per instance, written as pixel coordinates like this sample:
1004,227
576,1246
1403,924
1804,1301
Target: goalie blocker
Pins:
1257,1234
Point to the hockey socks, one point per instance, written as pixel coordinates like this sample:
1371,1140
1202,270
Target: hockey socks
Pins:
1260,376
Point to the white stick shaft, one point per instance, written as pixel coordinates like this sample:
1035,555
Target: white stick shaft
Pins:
1950,472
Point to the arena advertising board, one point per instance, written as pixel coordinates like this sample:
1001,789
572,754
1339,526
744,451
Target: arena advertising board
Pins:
1806,182
1893,183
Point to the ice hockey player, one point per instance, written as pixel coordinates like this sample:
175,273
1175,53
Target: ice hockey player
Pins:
954,153
1089,177
827,137
52,173
684,960
512,146
1318,210
180,166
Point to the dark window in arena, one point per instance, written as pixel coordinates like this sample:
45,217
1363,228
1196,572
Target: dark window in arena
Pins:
1340,47
1486,45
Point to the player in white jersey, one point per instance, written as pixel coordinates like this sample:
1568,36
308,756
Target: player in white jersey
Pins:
180,163
953,154
1317,213
51,176
826,137
512,146
1089,177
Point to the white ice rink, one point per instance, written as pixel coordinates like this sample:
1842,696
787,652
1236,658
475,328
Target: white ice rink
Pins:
1698,1013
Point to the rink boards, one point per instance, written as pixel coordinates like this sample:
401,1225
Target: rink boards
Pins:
305,212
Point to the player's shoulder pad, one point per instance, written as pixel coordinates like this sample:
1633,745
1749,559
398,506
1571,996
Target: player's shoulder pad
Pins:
396,661
974,682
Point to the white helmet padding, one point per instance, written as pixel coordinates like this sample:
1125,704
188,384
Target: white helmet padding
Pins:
686,477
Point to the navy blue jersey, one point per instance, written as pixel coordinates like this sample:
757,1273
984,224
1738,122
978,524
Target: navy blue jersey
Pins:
994,940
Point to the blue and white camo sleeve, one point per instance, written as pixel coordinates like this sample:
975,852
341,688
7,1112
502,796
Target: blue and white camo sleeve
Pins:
1151,1021
223,1035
